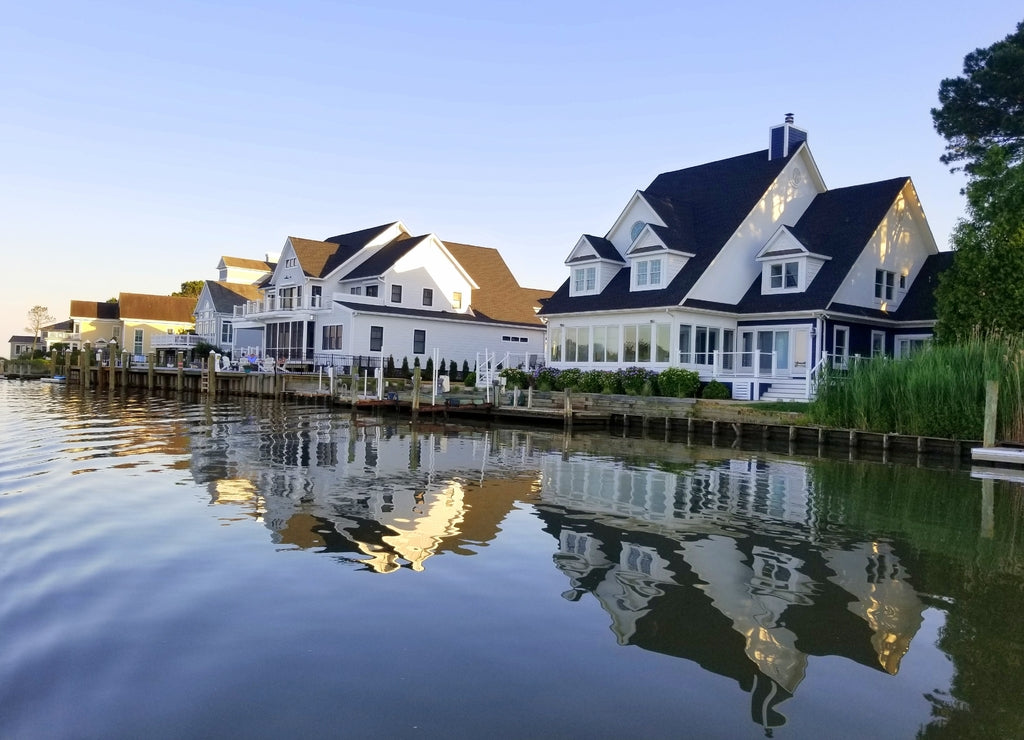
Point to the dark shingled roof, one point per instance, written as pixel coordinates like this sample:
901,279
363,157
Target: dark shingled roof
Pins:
226,296
361,238
838,224
919,302
604,248
385,257
702,207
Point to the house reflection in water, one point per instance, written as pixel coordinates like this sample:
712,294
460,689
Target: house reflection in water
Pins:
381,511
724,564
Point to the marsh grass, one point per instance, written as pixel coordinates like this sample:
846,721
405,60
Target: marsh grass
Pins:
937,392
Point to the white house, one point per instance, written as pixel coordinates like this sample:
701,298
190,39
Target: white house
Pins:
359,298
751,271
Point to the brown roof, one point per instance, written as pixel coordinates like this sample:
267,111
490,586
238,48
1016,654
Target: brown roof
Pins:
500,297
246,263
312,255
247,291
157,307
94,310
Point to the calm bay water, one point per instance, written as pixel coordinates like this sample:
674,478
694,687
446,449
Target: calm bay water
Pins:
243,569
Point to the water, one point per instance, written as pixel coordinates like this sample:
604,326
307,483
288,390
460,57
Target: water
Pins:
175,570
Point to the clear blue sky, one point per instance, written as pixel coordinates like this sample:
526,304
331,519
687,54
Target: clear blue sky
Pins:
142,141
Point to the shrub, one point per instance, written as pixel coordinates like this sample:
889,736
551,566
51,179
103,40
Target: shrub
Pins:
405,368
592,381
678,382
470,380
632,379
545,378
716,391
515,378
569,379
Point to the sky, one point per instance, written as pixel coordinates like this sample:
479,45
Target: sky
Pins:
140,142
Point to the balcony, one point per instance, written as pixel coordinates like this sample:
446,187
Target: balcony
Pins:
277,304
175,341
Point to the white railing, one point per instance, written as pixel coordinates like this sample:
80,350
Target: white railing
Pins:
175,341
754,364
272,304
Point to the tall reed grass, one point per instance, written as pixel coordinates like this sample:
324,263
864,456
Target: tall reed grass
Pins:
937,392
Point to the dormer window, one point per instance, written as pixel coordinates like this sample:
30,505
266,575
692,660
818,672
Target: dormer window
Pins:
784,275
647,273
584,280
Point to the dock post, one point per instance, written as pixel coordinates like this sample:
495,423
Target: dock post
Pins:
211,377
529,396
792,433
150,370
180,375
567,407
415,392
988,438
124,368
84,365
354,385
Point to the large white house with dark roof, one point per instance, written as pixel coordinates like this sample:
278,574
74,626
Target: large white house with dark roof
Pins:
355,299
750,271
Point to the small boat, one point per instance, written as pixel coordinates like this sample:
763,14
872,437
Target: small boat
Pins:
55,379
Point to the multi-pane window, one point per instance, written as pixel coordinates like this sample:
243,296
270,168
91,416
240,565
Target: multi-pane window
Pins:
226,332
784,275
376,338
428,296
647,272
584,279
371,291
877,343
884,283
396,293
577,344
356,290
137,343
705,345
685,332
419,341
332,337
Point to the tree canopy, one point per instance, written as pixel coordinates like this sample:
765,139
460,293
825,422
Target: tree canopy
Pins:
985,106
38,317
190,288
982,120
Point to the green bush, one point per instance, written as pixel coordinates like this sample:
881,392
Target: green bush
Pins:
592,381
545,378
633,379
715,390
515,378
677,382
470,380
569,379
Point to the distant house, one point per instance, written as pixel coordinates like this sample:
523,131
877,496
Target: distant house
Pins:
357,298
59,333
20,344
237,284
138,323
750,271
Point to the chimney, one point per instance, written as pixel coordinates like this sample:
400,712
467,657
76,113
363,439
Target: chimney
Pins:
783,140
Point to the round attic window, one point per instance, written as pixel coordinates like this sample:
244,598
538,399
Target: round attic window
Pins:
635,231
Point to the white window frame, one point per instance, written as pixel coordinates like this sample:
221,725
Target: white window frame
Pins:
780,282
648,273
904,344
877,335
885,285
841,360
584,280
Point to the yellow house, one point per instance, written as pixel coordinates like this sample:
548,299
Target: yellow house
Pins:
157,322
138,323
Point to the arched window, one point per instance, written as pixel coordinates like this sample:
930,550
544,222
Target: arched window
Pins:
635,231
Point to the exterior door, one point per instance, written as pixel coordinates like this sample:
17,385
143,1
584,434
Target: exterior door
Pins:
801,349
